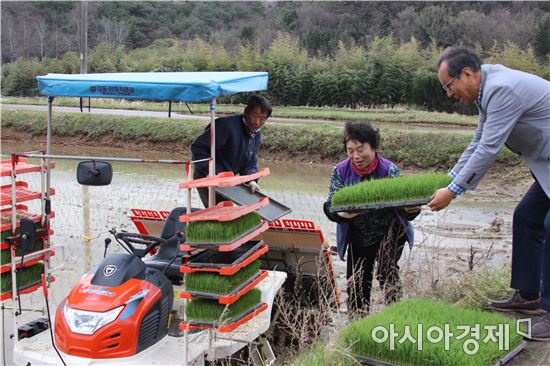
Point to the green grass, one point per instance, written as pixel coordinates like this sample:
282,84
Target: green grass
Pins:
476,288
391,189
400,114
25,276
213,283
5,255
221,231
424,150
326,355
358,335
209,310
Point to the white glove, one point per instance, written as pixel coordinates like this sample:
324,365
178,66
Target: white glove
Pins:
348,215
253,187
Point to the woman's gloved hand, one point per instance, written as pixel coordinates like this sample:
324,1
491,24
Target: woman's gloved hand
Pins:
254,187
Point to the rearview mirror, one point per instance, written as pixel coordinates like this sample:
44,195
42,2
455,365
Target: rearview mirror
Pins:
94,173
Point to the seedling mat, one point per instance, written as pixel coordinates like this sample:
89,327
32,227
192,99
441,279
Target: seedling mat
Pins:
504,360
229,323
217,245
378,206
226,298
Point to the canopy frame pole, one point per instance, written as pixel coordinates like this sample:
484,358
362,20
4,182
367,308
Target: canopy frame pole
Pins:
169,109
212,163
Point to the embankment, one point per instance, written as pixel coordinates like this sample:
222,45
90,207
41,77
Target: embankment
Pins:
306,143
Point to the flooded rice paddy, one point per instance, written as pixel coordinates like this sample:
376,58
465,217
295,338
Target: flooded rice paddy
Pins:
479,222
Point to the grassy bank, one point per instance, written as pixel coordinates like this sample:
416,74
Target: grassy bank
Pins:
304,143
402,114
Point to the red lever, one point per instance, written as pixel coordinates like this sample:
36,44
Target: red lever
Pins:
44,286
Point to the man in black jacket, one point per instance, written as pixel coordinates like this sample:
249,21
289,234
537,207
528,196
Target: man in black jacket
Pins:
238,141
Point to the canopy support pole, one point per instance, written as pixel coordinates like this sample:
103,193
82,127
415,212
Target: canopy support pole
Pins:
212,164
169,108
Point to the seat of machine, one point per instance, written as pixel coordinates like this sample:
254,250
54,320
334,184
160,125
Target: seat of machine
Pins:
173,232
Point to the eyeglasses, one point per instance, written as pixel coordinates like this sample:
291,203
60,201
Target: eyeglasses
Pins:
448,84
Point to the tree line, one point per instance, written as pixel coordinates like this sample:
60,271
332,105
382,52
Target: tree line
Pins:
50,28
388,72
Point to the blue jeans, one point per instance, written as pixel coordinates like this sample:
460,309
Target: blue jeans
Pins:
531,244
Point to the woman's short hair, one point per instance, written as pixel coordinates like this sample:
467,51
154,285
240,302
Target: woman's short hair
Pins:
362,132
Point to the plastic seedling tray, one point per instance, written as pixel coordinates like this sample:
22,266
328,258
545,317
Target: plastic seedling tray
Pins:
378,206
27,289
502,361
227,326
34,258
224,179
226,264
241,195
227,246
233,295
21,167
412,320
20,212
22,193
223,211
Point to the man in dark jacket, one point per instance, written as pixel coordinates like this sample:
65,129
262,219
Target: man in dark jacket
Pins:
238,141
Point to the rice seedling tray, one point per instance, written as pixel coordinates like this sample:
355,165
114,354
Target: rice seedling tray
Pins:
21,167
22,193
420,332
21,211
502,361
27,289
34,258
223,179
233,296
227,326
378,206
226,264
403,190
223,211
5,235
227,246
241,195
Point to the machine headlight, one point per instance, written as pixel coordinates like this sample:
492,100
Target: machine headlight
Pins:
88,322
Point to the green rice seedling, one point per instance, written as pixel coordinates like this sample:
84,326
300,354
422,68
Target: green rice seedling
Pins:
391,189
326,354
6,233
213,283
209,310
25,276
221,231
5,255
370,337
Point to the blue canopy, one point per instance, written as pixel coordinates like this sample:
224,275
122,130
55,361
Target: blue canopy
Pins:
177,86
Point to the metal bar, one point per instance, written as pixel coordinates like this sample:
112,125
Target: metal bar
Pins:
169,108
126,160
46,193
212,165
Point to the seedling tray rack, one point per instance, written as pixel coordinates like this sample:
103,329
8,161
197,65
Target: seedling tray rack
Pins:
223,211
227,246
227,326
227,263
233,296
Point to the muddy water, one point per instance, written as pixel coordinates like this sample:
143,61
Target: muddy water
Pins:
480,221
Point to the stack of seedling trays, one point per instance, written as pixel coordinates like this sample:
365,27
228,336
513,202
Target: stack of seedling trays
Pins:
389,192
28,274
425,332
220,281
